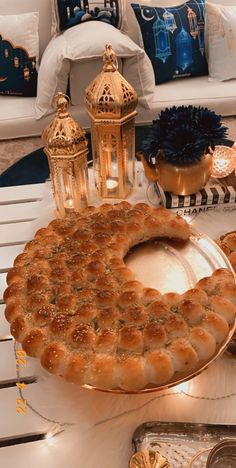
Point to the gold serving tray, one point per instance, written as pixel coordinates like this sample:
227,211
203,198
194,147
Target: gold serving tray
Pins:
183,445
169,265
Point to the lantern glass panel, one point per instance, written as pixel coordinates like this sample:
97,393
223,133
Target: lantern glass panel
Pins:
129,154
114,155
70,183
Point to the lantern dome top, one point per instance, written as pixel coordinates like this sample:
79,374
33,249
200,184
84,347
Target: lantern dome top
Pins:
109,95
63,133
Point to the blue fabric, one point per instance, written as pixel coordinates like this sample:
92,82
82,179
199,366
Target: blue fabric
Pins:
72,12
173,39
18,75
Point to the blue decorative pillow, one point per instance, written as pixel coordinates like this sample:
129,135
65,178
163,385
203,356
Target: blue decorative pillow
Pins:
72,12
19,50
173,39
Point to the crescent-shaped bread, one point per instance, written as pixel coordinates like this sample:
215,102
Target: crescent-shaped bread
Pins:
227,243
73,303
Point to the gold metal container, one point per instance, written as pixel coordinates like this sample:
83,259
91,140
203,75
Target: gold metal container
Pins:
111,104
223,455
148,459
180,180
66,147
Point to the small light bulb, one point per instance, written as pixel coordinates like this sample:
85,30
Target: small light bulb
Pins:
56,429
182,388
223,161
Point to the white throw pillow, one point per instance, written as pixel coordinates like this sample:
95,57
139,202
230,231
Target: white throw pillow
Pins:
53,75
19,54
221,41
85,43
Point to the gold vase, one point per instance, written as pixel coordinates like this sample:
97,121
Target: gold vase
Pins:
180,180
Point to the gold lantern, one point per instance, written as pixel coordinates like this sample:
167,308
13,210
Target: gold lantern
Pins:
111,104
66,147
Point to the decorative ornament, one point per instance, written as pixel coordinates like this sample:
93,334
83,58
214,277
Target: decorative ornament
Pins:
223,161
26,73
148,13
193,26
201,40
184,52
66,147
148,459
162,40
111,104
169,21
16,62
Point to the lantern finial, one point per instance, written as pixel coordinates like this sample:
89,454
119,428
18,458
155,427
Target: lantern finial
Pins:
109,59
61,102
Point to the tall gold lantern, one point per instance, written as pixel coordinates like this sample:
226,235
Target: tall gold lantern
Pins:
111,104
66,147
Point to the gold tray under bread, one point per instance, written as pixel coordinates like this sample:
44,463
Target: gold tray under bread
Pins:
169,265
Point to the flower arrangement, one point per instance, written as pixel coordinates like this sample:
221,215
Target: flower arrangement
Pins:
182,135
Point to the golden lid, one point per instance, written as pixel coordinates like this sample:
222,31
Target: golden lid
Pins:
109,95
63,131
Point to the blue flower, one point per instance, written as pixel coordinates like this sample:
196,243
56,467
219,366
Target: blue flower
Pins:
183,134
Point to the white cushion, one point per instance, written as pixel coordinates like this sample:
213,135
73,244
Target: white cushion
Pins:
17,114
83,44
17,118
221,41
217,96
53,75
13,7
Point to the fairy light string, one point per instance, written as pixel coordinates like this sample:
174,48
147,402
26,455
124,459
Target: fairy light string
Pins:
45,418
180,392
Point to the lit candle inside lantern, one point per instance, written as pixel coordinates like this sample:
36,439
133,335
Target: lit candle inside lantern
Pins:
69,204
111,184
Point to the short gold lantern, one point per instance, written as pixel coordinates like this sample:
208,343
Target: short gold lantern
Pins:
66,147
111,104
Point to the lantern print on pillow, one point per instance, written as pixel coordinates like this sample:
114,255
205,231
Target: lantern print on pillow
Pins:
173,39
19,51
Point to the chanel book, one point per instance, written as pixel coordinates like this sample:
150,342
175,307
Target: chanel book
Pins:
217,194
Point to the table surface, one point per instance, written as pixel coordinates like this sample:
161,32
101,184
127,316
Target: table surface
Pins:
94,428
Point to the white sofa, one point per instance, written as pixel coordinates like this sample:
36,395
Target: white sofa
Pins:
18,117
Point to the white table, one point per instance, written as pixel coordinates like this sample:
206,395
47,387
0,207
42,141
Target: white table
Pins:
103,423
